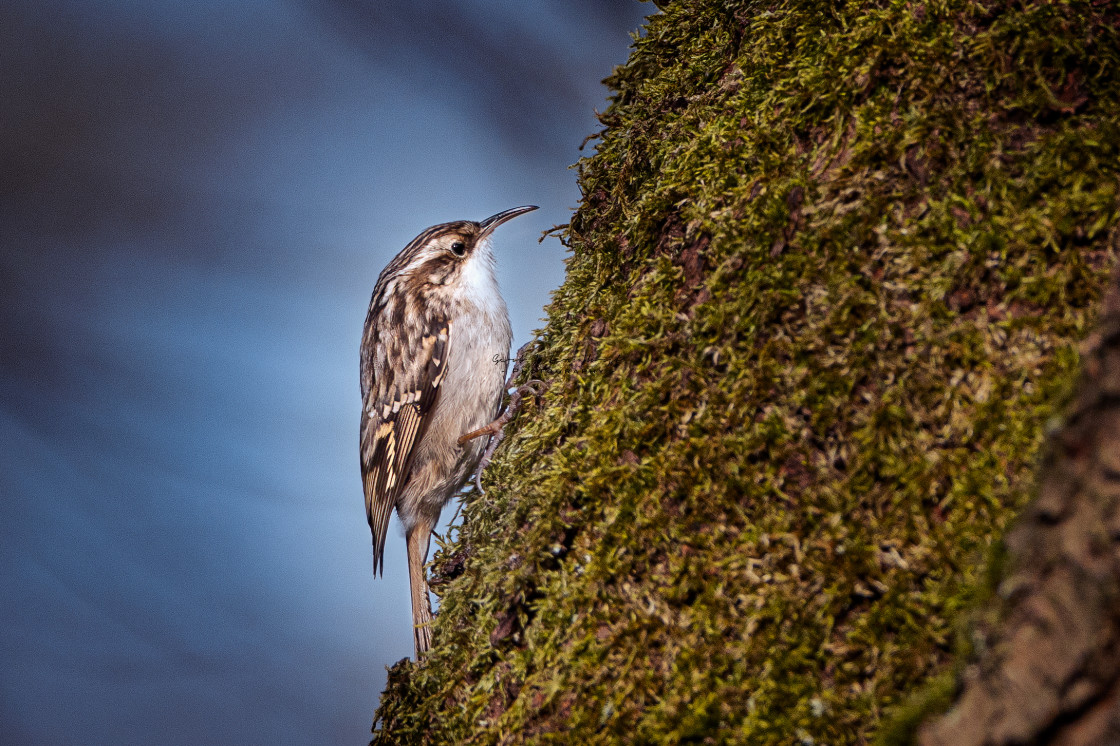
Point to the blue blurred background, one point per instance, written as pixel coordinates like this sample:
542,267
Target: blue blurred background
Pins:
196,199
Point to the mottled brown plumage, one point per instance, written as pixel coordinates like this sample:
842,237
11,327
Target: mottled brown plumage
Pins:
436,325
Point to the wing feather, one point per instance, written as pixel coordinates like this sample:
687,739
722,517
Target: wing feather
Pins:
398,399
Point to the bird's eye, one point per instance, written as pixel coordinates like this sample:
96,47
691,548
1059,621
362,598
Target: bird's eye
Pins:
459,248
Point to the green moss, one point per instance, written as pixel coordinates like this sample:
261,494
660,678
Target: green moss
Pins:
825,287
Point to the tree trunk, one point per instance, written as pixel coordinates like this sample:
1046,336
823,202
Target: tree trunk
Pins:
827,282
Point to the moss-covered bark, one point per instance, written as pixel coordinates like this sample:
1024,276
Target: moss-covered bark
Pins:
826,285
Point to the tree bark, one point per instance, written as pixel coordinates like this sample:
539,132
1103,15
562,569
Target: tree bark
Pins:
1052,671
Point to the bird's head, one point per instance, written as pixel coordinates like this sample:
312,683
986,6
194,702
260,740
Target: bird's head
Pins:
443,253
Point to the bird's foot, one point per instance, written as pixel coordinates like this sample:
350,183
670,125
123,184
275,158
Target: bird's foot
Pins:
496,427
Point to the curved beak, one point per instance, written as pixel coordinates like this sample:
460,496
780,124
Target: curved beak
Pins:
488,225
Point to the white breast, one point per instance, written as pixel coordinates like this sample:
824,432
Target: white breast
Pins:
480,340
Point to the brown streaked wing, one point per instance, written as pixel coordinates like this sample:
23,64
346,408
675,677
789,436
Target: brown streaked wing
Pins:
395,414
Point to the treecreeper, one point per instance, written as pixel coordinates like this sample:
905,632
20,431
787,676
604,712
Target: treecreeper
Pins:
433,371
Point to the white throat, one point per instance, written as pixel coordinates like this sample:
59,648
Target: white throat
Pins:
478,284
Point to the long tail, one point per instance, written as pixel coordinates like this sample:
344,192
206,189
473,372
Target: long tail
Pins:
418,538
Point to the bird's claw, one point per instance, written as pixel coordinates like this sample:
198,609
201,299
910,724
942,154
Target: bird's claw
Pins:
534,387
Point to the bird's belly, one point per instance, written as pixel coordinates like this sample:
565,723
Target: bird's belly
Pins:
469,397
472,390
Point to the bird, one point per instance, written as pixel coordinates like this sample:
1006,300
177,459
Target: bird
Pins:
434,353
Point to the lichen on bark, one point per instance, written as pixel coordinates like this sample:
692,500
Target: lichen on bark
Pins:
826,284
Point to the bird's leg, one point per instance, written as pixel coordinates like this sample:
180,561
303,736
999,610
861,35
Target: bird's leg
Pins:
418,538
496,429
